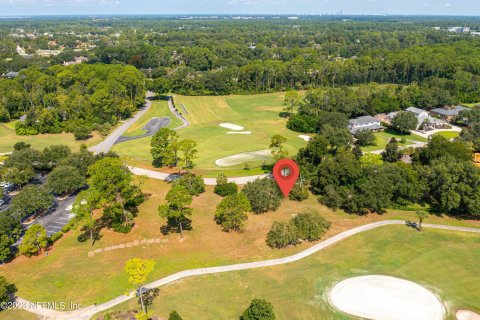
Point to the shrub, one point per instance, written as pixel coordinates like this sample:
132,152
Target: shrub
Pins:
81,133
299,193
194,184
222,179
310,225
226,189
281,235
263,194
174,316
55,237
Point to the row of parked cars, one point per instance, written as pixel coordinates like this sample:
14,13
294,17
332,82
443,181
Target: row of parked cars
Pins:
6,188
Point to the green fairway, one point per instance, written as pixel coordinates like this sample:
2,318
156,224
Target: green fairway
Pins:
448,134
382,138
444,262
8,138
256,113
159,109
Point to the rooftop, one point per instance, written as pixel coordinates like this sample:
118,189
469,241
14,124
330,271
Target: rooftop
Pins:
450,111
363,120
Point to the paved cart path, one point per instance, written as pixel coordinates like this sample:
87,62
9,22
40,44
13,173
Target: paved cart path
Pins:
88,312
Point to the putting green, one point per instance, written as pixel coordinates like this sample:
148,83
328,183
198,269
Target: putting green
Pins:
258,114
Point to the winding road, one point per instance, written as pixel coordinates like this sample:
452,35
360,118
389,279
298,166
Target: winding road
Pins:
107,144
88,312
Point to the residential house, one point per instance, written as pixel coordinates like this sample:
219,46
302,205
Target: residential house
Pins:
448,113
364,123
11,74
423,118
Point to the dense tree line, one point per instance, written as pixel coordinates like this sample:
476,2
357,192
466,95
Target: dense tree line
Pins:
442,175
60,99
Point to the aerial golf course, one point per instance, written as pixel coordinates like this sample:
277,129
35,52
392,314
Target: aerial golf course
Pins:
233,135
222,126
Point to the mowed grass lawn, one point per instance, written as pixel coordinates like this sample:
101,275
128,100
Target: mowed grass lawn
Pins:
256,113
382,139
448,134
8,138
159,109
68,274
444,262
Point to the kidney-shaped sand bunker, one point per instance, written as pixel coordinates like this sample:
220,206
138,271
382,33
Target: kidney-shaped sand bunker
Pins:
379,297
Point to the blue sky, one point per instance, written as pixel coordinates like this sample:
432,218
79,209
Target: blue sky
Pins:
70,7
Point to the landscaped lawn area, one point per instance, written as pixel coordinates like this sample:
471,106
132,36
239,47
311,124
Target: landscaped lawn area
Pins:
8,138
68,274
256,113
382,138
448,134
444,262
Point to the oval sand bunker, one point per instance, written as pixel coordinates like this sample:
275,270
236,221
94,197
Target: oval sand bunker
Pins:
386,298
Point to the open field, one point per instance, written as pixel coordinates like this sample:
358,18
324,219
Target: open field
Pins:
382,138
448,134
256,113
159,109
8,138
68,274
299,290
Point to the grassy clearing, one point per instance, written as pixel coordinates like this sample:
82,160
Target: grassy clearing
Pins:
159,109
257,113
382,138
470,105
448,134
8,138
68,274
299,290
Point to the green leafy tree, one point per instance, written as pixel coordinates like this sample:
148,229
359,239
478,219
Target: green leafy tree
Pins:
138,271
391,153
177,210
310,225
259,310
164,148
21,145
226,189
263,195
188,153
365,138
65,180
299,192
278,149
292,101
34,240
404,121
119,197
193,183
421,215
232,211
32,199
160,86
19,175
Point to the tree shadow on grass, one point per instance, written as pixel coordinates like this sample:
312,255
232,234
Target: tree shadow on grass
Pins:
172,226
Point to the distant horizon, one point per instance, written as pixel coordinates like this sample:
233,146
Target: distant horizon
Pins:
467,8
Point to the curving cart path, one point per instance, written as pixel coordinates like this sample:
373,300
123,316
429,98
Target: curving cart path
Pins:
88,312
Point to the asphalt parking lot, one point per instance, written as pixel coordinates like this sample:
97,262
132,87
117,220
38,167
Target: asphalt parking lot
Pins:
55,221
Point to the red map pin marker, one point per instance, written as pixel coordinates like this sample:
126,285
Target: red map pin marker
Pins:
286,173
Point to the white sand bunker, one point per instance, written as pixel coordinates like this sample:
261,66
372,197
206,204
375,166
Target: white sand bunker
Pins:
231,126
386,298
467,315
239,132
244,157
305,137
